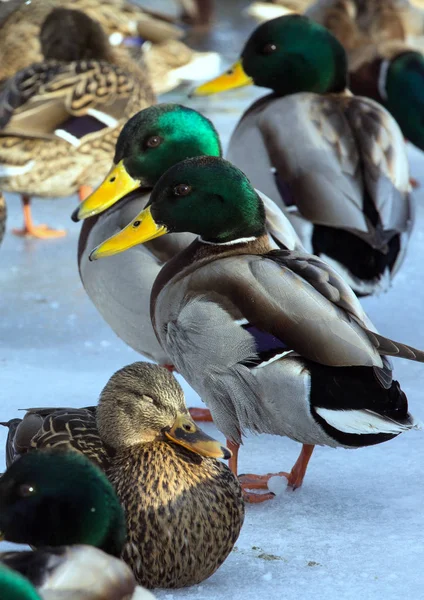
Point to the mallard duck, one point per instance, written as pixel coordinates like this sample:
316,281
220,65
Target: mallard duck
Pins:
60,119
164,470
152,38
392,74
81,572
153,140
3,216
121,21
383,40
336,162
56,497
273,341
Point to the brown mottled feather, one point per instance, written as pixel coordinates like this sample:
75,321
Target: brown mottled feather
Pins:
191,500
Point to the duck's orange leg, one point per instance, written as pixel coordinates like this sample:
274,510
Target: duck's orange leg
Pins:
249,496
294,478
84,191
201,414
37,231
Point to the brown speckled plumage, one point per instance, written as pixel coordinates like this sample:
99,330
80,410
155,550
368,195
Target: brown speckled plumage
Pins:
183,523
36,104
184,511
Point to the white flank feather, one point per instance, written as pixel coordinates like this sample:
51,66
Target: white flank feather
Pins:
363,422
11,171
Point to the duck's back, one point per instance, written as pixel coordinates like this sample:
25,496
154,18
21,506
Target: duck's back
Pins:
334,161
184,513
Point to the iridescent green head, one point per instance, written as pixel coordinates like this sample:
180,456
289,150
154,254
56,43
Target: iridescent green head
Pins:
13,586
289,54
204,195
55,498
403,93
151,142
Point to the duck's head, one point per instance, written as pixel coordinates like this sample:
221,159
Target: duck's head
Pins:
402,90
142,403
289,54
14,586
70,35
54,498
151,142
205,195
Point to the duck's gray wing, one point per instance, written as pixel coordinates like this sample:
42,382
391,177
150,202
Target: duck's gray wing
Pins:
279,228
329,152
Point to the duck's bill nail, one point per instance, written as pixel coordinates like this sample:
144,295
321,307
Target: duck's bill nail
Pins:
142,229
116,185
235,77
186,433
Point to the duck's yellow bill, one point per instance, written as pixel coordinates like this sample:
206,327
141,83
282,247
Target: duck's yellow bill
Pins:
186,433
142,229
116,185
235,77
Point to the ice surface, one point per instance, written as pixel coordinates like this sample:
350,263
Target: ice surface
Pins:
355,529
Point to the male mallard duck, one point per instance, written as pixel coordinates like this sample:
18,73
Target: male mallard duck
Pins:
151,142
164,470
81,572
383,41
273,341
336,162
52,498
60,119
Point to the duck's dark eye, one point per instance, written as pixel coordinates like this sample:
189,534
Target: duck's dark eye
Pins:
268,49
26,489
182,189
154,141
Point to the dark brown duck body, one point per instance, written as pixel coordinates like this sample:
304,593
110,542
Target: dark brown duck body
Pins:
183,517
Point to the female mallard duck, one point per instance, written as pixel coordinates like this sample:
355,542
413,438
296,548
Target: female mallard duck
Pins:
151,142
164,470
151,37
273,341
60,119
336,162
57,499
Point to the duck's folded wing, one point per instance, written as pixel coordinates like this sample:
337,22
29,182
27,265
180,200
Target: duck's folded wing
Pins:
60,427
73,101
384,162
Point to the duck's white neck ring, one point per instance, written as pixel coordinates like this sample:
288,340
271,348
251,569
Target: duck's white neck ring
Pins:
230,243
382,79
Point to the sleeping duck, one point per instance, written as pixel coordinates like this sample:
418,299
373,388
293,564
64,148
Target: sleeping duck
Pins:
60,118
151,142
57,500
273,341
336,162
184,508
